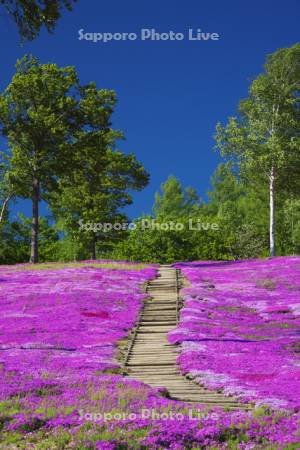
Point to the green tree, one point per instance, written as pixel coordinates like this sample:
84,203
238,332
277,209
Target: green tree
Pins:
49,119
226,187
265,137
36,117
240,207
95,194
174,201
31,15
167,235
16,236
290,226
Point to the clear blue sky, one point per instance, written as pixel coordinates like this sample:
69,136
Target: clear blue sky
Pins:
171,94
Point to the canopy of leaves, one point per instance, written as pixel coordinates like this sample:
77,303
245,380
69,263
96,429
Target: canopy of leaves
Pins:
174,201
266,134
31,15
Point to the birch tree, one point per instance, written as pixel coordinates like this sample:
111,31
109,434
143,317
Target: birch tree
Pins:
265,137
7,189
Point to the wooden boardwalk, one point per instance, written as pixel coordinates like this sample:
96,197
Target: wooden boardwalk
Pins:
152,359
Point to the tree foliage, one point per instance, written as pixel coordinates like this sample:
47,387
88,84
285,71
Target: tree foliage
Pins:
95,195
266,135
62,149
31,15
174,201
61,142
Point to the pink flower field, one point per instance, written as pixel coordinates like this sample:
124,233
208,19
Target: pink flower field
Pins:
60,328
240,329
62,385
63,324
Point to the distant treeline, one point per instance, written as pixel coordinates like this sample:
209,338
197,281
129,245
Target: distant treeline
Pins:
62,149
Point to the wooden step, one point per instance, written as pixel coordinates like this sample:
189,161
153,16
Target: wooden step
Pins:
152,359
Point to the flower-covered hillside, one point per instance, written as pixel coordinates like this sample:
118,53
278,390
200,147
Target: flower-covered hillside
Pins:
60,323
59,330
240,328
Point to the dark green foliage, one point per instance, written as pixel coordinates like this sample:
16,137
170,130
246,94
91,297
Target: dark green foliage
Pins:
62,148
31,15
16,237
170,235
174,201
239,208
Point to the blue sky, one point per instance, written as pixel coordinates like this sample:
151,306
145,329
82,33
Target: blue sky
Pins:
172,93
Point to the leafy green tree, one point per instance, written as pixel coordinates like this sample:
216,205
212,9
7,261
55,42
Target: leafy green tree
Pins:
37,118
240,207
248,242
72,249
84,208
98,188
290,226
265,137
31,15
51,123
168,235
174,201
150,244
226,187
16,236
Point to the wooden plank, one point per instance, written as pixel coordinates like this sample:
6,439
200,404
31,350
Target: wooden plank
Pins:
152,359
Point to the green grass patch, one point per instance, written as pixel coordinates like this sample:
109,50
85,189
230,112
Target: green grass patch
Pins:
266,283
61,266
254,337
10,407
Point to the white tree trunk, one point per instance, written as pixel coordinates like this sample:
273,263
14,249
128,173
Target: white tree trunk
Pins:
4,207
272,212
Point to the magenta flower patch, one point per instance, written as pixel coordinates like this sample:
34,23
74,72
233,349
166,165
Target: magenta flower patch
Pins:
59,332
60,327
239,329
